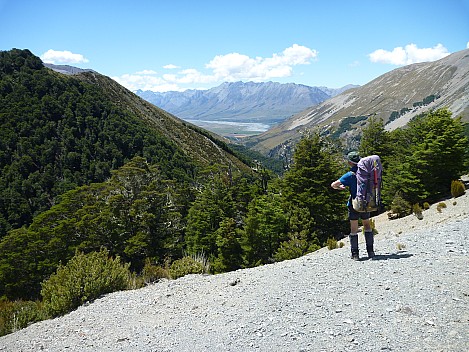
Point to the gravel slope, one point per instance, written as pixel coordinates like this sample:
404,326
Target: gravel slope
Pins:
413,299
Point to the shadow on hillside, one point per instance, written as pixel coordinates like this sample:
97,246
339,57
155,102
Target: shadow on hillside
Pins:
392,256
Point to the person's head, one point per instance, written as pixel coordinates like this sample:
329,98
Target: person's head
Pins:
353,158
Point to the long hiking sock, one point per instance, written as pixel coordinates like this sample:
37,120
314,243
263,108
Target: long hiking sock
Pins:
369,239
354,245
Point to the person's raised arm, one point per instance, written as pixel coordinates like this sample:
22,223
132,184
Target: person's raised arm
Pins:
338,185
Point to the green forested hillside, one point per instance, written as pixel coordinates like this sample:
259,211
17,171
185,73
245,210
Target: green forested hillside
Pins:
59,132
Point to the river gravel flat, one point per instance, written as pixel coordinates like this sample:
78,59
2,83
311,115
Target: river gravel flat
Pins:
414,296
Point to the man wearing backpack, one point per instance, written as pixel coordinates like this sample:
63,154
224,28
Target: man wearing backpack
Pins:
349,180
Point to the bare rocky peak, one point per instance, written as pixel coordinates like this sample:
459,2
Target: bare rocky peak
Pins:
66,69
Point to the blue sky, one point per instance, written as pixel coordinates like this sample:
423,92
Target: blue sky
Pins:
189,44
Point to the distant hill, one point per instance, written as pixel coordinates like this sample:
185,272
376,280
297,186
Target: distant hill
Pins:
268,102
396,97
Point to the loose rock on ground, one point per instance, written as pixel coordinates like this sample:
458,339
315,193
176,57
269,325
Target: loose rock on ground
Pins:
414,296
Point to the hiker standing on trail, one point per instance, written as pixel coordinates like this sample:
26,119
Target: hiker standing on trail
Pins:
349,180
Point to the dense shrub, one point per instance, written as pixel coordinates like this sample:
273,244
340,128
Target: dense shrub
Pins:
457,188
294,248
417,210
291,249
84,278
331,243
400,206
19,314
152,273
186,266
440,206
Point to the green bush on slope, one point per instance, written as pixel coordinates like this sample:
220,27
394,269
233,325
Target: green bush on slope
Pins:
457,188
84,278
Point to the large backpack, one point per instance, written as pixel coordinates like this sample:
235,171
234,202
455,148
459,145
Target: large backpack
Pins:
368,175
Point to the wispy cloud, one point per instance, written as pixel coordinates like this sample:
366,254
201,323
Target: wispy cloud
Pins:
225,68
410,54
62,57
170,67
146,72
146,82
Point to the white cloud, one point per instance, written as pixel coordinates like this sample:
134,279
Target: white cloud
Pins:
235,66
145,82
170,67
146,72
409,55
62,57
467,45
189,76
223,68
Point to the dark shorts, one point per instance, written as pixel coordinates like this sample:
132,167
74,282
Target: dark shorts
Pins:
355,215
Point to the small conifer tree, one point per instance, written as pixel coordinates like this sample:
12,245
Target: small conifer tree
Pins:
400,206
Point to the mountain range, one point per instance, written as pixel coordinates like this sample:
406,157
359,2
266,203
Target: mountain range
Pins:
396,97
246,102
287,110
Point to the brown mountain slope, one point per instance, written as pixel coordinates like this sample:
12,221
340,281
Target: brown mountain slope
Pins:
396,97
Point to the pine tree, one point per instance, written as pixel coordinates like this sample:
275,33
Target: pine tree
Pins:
375,139
307,186
211,206
229,249
265,228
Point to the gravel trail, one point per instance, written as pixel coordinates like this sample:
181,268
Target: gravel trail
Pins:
414,296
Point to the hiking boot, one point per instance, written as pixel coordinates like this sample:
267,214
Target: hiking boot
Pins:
355,256
371,254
